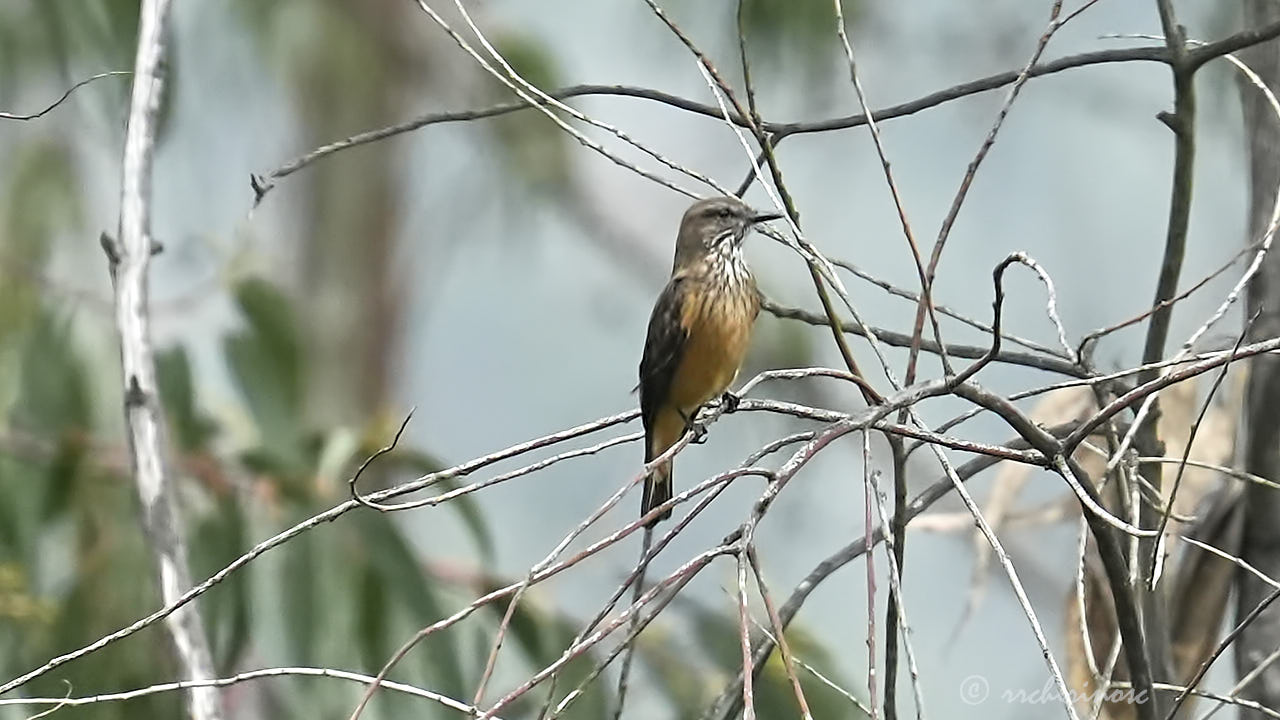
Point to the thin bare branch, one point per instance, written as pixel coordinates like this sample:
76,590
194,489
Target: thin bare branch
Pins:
944,232
780,637
4,115
247,676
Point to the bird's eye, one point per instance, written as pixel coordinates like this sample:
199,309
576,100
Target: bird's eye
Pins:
724,212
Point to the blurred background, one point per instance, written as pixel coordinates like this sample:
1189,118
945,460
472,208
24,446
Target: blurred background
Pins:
498,277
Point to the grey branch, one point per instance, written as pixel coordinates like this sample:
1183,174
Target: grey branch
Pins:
1261,414
262,184
143,417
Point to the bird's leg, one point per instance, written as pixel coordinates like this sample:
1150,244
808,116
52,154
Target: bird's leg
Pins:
698,429
729,402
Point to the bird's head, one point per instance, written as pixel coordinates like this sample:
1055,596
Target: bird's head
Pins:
717,224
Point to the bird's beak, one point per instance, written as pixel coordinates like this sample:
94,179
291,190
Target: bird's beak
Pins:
765,217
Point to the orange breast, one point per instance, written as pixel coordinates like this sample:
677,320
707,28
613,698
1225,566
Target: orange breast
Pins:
718,318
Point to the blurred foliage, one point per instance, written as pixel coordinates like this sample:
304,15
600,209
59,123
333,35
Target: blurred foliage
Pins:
73,561
73,564
533,148
794,29
785,38
719,637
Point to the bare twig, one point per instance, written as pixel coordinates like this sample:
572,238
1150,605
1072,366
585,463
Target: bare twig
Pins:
868,529
4,115
544,97
861,706
897,606
781,199
719,483
780,637
897,339
523,586
329,515
1083,347
944,310
926,300
936,255
777,130
723,707
351,484
1221,648
690,568
629,654
1186,452
540,105
897,554
1210,362
744,634
161,688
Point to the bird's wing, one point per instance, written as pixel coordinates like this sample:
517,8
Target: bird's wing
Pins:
663,348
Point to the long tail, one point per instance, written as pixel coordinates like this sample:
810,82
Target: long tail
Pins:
661,434
657,490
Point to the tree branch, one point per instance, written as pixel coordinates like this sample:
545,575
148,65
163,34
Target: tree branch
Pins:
262,184
5,115
144,423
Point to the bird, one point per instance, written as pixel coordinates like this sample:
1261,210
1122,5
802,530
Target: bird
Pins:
698,332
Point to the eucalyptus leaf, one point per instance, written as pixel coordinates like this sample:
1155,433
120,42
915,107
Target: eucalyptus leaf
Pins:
542,636
422,463
220,537
189,427
266,361
302,596
405,585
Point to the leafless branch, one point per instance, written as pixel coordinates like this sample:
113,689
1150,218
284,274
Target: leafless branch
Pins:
788,659
129,260
1113,530
897,339
723,706
247,676
1186,452
935,255
264,182
4,115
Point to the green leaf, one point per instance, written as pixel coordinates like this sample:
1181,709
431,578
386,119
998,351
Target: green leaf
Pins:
265,360
401,574
533,147
220,537
54,397
530,58
823,700
719,637
371,618
40,201
53,407
111,577
273,326
301,588
191,429
542,637
782,32
421,463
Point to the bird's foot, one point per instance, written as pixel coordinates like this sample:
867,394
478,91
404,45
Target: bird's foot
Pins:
729,402
699,432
